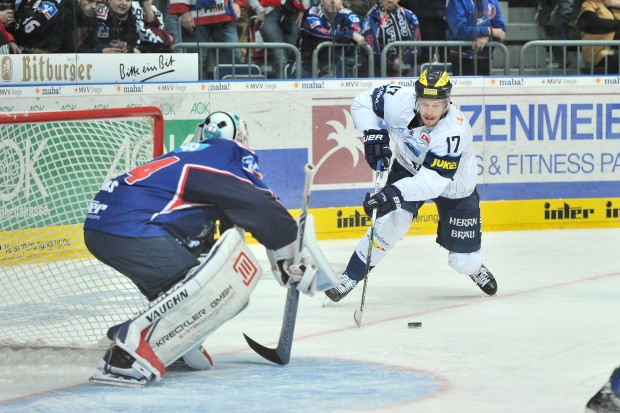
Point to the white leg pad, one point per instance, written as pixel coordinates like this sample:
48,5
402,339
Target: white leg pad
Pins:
181,319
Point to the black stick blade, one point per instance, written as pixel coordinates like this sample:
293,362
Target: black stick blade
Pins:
270,354
281,354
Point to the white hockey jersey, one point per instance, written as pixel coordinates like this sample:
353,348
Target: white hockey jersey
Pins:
442,158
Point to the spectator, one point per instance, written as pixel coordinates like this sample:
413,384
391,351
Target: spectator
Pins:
387,22
561,15
117,26
36,24
430,15
7,42
150,25
133,26
242,23
171,22
544,9
479,21
209,21
359,7
7,13
278,23
7,18
77,32
600,20
328,21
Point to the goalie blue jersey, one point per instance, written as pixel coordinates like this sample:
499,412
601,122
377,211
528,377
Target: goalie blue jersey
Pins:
184,191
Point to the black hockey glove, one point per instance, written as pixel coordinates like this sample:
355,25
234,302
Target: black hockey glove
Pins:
387,200
377,146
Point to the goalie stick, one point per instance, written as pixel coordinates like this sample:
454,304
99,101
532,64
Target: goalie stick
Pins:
359,313
282,353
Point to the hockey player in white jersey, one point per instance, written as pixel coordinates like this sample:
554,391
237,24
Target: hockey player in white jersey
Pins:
434,159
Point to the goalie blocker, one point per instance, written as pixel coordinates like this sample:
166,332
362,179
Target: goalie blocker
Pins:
176,324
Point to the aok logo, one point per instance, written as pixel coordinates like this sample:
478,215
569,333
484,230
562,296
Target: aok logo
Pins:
19,170
337,148
243,265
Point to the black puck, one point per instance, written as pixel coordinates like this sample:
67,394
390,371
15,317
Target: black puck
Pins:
414,324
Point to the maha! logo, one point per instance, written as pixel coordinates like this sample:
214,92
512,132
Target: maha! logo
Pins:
337,148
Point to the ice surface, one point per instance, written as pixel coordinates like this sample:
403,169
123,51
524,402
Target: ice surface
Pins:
545,343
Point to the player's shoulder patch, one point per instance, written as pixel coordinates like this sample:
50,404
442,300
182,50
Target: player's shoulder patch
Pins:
445,166
49,9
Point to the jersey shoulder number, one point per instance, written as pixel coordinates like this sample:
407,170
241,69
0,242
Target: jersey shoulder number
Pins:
145,171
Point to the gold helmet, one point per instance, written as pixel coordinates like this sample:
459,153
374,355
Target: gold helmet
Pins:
433,84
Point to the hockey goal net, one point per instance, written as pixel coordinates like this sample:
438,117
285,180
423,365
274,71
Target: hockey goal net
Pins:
53,293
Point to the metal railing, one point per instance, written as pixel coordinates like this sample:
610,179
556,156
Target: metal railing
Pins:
439,52
340,64
535,57
540,56
265,62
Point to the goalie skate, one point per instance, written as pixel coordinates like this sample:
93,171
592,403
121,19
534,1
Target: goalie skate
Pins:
114,380
118,368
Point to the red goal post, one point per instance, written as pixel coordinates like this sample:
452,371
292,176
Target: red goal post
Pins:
54,294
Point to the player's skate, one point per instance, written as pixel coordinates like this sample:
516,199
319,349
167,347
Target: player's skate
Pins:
118,368
341,290
605,401
485,280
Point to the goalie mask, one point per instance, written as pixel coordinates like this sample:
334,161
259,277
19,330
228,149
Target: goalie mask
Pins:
224,125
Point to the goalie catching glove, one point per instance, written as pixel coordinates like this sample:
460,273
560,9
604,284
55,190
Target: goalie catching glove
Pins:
313,273
385,201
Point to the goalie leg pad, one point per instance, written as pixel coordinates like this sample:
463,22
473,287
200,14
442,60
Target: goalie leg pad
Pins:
176,322
198,358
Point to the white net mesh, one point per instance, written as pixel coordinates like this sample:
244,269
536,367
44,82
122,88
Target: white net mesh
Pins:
52,292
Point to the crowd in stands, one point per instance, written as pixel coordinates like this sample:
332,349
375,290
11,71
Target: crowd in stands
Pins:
84,26
126,26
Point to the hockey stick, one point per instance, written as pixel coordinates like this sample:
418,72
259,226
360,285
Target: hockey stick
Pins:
371,235
282,353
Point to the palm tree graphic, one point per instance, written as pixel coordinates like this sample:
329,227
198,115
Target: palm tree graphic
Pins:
346,137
